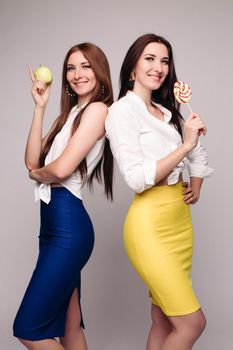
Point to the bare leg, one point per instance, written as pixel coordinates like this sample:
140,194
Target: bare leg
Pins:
46,344
160,329
74,338
186,330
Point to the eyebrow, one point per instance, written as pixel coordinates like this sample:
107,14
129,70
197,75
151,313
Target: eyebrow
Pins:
71,64
151,54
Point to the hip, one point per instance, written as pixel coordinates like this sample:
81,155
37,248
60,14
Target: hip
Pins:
159,211
65,217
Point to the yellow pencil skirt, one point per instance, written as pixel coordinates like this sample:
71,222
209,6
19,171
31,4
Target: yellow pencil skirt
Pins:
158,238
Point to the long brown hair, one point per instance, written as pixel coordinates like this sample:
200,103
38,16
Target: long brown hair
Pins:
164,95
102,92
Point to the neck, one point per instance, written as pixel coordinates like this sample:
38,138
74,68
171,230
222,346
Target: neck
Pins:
144,94
82,101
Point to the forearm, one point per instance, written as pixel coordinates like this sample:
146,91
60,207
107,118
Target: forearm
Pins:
196,183
168,163
34,142
47,174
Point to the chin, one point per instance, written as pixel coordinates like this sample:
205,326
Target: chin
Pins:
82,92
155,87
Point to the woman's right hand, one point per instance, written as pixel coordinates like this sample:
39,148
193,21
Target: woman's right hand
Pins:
193,128
40,91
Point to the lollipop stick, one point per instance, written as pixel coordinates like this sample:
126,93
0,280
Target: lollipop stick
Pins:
189,107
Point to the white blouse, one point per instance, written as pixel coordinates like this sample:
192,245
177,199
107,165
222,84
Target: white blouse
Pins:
73,183
138,140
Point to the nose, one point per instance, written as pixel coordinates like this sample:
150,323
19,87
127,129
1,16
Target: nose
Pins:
77,73
158,66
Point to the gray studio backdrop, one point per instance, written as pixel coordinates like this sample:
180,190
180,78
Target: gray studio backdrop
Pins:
115,302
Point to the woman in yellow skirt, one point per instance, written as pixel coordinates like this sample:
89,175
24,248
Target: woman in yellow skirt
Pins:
152,144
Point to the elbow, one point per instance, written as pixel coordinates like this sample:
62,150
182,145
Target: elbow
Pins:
141,178
137,185
61,174
31,166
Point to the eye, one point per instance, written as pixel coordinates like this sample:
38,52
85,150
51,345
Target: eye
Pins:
149,58
69,69
165,61
86,66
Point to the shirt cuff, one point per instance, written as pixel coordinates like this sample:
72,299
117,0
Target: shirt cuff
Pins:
149,168
200,170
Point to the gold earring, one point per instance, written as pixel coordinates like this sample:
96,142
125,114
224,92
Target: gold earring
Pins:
132,80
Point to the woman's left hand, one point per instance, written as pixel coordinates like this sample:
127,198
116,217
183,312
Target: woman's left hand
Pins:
190,197
32,175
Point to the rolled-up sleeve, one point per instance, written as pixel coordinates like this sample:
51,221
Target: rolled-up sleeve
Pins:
198,162
123,132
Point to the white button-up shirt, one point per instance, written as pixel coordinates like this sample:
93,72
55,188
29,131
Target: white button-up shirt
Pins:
138,140
73,183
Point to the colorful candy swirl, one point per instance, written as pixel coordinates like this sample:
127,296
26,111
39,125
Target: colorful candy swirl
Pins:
182,92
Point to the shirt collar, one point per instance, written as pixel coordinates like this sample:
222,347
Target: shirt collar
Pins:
134,97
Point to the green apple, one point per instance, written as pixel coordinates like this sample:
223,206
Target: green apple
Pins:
43,73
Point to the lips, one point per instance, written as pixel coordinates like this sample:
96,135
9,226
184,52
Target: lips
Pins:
153,76
78,83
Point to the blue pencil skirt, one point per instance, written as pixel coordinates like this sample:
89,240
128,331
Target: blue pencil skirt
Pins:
66,242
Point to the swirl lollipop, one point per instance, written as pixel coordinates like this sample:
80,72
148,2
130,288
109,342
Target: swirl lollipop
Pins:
182,92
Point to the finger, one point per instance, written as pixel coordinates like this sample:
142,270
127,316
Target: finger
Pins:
187,187
47,91
188,193
32,76
202,131
187,190
196,122
38,91
40,84
193,116
189,200
199,125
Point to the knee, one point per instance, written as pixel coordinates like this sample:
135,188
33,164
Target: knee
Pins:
194,329
201,324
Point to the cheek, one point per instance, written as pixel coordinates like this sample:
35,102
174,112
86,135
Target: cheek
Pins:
93,80
68,76
166,70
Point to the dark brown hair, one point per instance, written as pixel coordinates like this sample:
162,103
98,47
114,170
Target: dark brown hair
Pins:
164,95
102,92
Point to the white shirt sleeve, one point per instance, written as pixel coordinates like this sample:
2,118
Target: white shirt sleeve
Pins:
198,162
123,132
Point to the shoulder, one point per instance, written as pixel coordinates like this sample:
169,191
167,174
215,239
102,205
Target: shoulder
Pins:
94,111
97,107
123,104
121,110
122,114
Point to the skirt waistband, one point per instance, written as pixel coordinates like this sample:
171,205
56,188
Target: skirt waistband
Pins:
161,193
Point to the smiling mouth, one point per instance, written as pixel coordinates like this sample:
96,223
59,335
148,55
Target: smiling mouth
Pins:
157,77
80,83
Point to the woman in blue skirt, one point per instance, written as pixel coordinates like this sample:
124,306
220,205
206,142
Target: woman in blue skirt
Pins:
74,152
